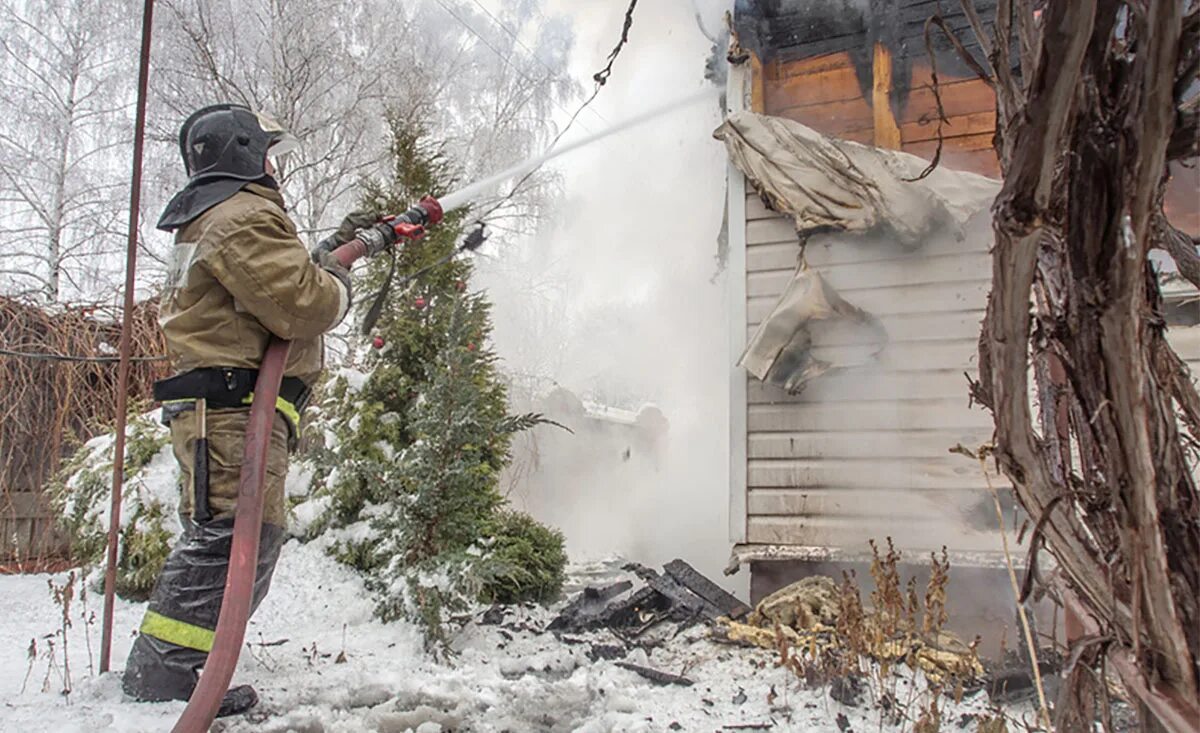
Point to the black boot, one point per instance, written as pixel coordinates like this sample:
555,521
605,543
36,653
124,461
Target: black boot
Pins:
237,701
158,670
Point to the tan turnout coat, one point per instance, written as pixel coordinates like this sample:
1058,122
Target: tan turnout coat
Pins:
239,274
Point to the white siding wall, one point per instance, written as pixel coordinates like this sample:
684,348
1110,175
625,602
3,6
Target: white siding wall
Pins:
864,452
1187,344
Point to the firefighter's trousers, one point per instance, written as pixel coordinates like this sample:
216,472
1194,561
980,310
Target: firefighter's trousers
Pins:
177,630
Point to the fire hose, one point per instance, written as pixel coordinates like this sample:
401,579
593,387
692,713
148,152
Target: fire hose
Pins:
218,671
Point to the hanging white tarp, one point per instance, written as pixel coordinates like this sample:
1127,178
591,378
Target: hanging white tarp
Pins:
781,351
825,183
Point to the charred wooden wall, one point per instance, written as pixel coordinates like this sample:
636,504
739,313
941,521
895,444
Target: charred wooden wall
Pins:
860,70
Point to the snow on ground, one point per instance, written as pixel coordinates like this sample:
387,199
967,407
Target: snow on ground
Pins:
322,664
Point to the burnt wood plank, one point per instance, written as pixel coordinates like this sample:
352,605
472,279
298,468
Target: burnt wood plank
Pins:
682,599
627,612
691,579
656,676
589,606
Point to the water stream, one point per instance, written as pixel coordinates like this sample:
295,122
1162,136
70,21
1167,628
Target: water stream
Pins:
472,191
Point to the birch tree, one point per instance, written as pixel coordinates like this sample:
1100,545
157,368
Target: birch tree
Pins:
334,77
66,91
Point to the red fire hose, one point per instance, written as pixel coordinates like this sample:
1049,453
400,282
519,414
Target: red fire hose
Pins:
247,524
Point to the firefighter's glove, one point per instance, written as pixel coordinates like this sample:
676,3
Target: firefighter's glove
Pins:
330,264
354,221
345,232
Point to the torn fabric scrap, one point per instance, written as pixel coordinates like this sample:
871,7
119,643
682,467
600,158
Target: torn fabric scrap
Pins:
781,351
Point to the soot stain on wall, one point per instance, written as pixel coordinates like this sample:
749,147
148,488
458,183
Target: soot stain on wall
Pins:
794,30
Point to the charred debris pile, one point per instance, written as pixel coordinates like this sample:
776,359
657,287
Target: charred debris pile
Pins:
815,616
679,594
665,605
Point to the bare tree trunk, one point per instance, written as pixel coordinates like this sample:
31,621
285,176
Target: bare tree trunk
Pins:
56,227
1084,140
61,145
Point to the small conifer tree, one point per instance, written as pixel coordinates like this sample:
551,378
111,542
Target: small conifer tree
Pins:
416,452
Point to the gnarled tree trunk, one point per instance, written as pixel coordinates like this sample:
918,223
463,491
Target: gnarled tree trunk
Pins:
1089,115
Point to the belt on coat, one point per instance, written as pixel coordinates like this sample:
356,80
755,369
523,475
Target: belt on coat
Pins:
228,387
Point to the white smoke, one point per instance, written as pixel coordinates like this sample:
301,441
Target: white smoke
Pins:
616,299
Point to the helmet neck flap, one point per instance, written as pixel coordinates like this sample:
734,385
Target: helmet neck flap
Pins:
224,147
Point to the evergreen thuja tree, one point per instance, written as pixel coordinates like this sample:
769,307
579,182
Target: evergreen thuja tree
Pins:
414,453
436,544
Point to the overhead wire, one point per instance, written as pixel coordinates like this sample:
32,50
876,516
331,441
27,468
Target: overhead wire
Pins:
48,356
499,54
513,34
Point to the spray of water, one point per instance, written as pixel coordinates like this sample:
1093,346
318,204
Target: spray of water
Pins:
465,195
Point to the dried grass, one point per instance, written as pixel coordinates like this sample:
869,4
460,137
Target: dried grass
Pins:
48,406
865,643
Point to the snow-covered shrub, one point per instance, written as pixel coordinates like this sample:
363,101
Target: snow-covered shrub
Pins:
145,543
82,496
525,560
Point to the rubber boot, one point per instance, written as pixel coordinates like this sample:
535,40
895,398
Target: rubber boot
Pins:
168,655
237,701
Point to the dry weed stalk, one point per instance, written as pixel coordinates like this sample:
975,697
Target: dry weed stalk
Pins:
89,619
31,654
1044,709
901,626
63,595
935,594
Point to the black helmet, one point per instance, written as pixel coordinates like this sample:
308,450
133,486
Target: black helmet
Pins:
230,141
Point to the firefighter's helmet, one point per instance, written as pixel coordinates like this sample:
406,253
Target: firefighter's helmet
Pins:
231,141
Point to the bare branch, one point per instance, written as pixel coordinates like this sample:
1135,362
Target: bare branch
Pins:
1068,30
1180,246
1085,162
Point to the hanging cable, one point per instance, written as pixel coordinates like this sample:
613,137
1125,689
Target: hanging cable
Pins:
472,242
47,356
601,76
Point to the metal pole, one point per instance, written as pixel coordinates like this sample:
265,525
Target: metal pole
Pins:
135,196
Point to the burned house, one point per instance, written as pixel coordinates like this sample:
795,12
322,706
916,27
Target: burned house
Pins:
857,288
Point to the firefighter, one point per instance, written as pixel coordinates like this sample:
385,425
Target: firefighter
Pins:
238,274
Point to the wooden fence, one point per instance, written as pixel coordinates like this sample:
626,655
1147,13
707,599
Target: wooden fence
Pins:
58,388
28,529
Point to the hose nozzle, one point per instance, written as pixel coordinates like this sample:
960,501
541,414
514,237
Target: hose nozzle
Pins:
379,237
432,209
426,212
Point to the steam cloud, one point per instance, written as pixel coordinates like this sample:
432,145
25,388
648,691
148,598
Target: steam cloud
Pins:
616,301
